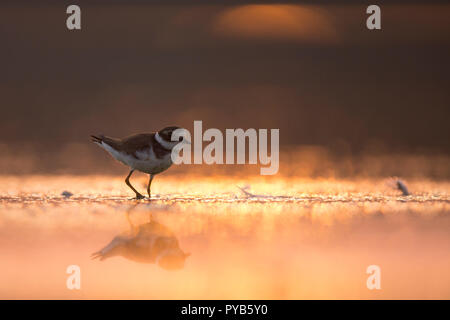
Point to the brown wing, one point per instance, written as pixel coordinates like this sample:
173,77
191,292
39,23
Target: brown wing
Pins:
130,145
142,141
136,142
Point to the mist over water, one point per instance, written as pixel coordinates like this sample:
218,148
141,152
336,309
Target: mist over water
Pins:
306,161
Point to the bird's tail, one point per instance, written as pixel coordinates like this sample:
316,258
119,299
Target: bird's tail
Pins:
98,255
101,140
112,249
97,139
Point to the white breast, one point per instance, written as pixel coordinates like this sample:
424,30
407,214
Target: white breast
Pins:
145,161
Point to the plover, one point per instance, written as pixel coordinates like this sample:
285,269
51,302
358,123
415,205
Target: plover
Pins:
146,152
147,243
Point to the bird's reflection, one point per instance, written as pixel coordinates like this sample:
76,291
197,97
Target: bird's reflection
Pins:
150,242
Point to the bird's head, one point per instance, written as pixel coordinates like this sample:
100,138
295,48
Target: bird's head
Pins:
164,137
166,133
172,259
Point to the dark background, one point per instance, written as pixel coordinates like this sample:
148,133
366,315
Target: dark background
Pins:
314,72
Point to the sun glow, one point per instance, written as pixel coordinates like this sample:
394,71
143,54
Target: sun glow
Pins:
273,21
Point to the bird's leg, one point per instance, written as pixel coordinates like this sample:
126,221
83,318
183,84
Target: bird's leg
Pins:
127,213
149,184
127,181
129,220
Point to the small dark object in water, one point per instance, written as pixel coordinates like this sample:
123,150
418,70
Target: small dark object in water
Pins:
402,187
67,194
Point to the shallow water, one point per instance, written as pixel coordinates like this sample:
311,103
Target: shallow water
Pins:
283,238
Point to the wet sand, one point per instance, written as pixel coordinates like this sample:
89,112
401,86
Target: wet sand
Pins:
287,238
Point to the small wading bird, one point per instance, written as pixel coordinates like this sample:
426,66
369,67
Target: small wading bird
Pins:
146,152
150,242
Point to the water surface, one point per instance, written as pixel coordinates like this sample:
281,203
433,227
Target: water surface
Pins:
281,238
